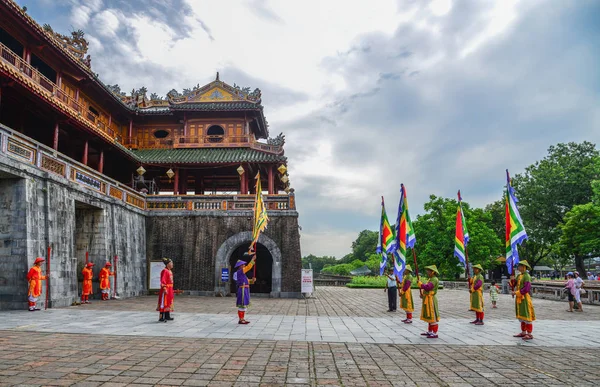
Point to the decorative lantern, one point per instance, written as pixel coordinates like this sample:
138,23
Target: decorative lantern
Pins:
240,170
140,170
284,179
282,169
170,173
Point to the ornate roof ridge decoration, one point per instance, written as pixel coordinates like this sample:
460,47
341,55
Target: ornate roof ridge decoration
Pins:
84,63
215,91
76,43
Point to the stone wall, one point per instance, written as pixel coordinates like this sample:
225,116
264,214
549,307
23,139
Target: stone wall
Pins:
195,240
38,209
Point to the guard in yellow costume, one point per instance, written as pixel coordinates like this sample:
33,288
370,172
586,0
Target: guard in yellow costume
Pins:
476,290
430,312
523,304
406,298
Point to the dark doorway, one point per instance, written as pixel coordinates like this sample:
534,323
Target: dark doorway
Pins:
264,269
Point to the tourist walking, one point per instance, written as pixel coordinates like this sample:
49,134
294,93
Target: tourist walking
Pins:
494,290
105,275
579,288
523,304
570,287
166,295
405,292
86,290
476,290
243,287
429,310
35,278
391,289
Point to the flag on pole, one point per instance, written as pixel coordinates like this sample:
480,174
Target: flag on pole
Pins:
515,230
260,214
461,237
386,236
404,234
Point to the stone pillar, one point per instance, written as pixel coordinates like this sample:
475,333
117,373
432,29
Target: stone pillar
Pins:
271,180
84,160
55,141
101,162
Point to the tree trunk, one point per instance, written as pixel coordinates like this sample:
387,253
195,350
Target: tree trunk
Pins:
580,266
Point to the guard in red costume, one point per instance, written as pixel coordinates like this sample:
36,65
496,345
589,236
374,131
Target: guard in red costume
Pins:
88,274
105,275
166,295
35,278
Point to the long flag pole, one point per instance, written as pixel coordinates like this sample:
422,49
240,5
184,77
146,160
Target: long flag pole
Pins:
115,271
47,277
465,237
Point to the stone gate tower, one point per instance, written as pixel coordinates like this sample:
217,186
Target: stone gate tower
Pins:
85,168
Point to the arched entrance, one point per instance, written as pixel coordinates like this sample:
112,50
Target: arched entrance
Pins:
268,258
264,269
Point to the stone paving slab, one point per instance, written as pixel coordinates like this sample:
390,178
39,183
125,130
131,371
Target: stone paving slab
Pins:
548,333
30,358
342,301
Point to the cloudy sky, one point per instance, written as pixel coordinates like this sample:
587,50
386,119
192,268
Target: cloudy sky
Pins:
438,95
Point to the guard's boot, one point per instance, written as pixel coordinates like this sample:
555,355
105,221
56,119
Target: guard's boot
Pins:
168,316
161,317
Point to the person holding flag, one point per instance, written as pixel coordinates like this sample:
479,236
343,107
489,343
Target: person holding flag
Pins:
523,304
476,290
406,298
515,235
429,311
243,286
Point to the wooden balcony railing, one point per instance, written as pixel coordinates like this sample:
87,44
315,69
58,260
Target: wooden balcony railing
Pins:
38,78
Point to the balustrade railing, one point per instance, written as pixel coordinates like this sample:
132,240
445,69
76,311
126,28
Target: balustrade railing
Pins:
216,202
8,56
27,150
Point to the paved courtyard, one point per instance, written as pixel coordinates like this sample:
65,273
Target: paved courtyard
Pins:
338,337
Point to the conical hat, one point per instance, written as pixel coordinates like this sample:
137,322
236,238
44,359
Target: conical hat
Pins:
433,268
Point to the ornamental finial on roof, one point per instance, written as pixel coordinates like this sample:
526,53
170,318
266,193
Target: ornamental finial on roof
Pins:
217,76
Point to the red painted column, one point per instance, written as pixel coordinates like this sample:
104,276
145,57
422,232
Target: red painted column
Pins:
85,153
245,182
176,183
130,134
101,162
185,125
271,181
55,142
59,79
76,94
183,181
109,120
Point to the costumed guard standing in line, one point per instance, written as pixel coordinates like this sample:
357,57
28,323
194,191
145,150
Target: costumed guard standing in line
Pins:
523,304
429,311
166,294
35,278
88,274
406,298
105,275
476,290
243,287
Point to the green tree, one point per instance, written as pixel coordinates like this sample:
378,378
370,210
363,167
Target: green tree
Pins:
436,229
317,263
549,189
364,245
581,230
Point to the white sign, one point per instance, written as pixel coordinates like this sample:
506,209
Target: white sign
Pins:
155,268
307,281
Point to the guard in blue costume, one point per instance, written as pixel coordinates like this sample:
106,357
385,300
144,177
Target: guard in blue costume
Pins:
243,286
